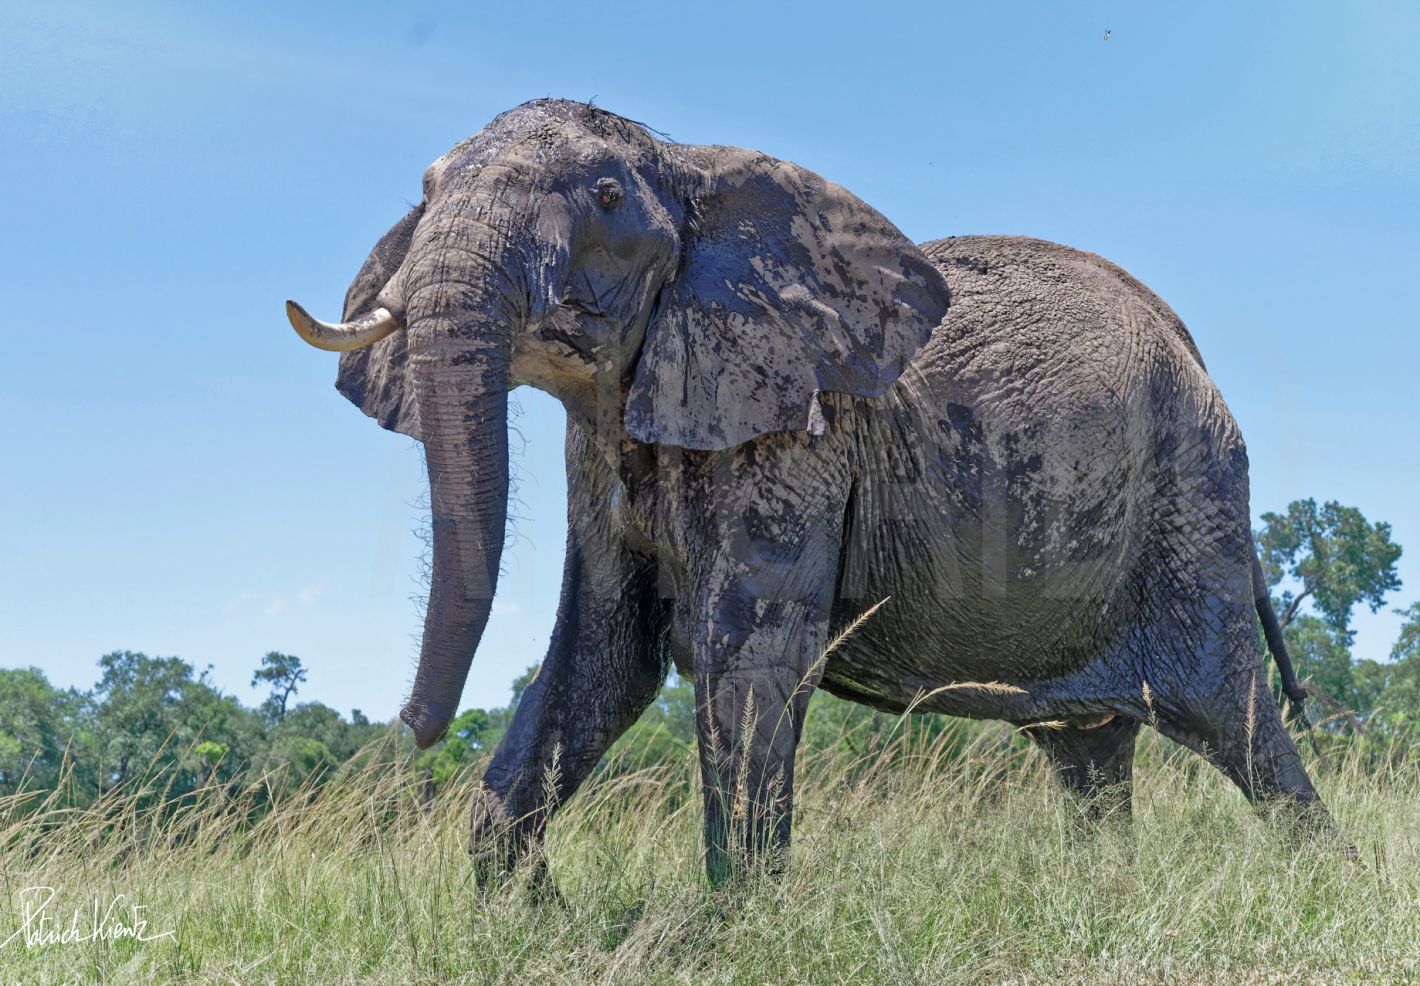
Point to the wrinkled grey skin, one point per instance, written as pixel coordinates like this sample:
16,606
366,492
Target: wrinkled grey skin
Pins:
781,412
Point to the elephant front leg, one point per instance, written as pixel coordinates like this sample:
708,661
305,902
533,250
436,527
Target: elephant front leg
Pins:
756,662
603,667
749,726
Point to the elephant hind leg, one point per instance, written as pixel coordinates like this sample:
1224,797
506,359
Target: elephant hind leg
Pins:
1095,764
1212,697
1247,741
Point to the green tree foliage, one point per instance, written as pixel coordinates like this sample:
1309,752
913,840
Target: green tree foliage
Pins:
40,728
150,713
1336,556
1407,646
209,755
320,722
468,734
155,717
1390,691
665,730
1322,655
285,675
313,739
1332,559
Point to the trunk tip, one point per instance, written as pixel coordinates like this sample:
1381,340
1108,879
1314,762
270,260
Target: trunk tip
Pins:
428,722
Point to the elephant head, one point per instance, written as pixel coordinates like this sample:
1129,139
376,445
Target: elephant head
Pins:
696,296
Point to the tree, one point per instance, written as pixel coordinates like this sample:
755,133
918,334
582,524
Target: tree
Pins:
1335,559
152,711
467,733
38,727
320,722
285,675
1322,655
1396,683
137,697
156,718
209,754
665,731
1337,556
674,707
1407,646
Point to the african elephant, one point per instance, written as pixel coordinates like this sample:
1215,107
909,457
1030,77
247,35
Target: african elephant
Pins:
781,412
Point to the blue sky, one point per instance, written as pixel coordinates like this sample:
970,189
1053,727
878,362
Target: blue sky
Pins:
181,477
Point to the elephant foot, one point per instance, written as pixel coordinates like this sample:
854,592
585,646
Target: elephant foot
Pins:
1306,822
500,841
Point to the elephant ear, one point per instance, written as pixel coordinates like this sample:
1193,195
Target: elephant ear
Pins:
789,285
372,378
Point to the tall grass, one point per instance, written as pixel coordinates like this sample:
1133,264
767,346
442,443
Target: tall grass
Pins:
945,860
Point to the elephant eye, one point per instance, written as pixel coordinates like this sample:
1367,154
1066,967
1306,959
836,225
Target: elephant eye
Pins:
608,192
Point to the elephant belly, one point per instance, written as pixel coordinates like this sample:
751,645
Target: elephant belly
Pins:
1015,488
1006,541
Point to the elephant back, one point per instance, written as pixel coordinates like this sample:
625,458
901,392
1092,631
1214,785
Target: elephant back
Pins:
1020,268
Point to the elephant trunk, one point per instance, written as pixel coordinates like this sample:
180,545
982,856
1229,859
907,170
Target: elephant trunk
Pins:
463,416
460,339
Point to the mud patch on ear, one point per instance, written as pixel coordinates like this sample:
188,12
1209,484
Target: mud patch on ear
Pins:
790,286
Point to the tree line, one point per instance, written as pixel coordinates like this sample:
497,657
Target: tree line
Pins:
150,717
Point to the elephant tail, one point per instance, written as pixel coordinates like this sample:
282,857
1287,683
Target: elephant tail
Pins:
1295,691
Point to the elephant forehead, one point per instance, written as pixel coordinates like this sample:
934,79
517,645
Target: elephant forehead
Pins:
543,130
